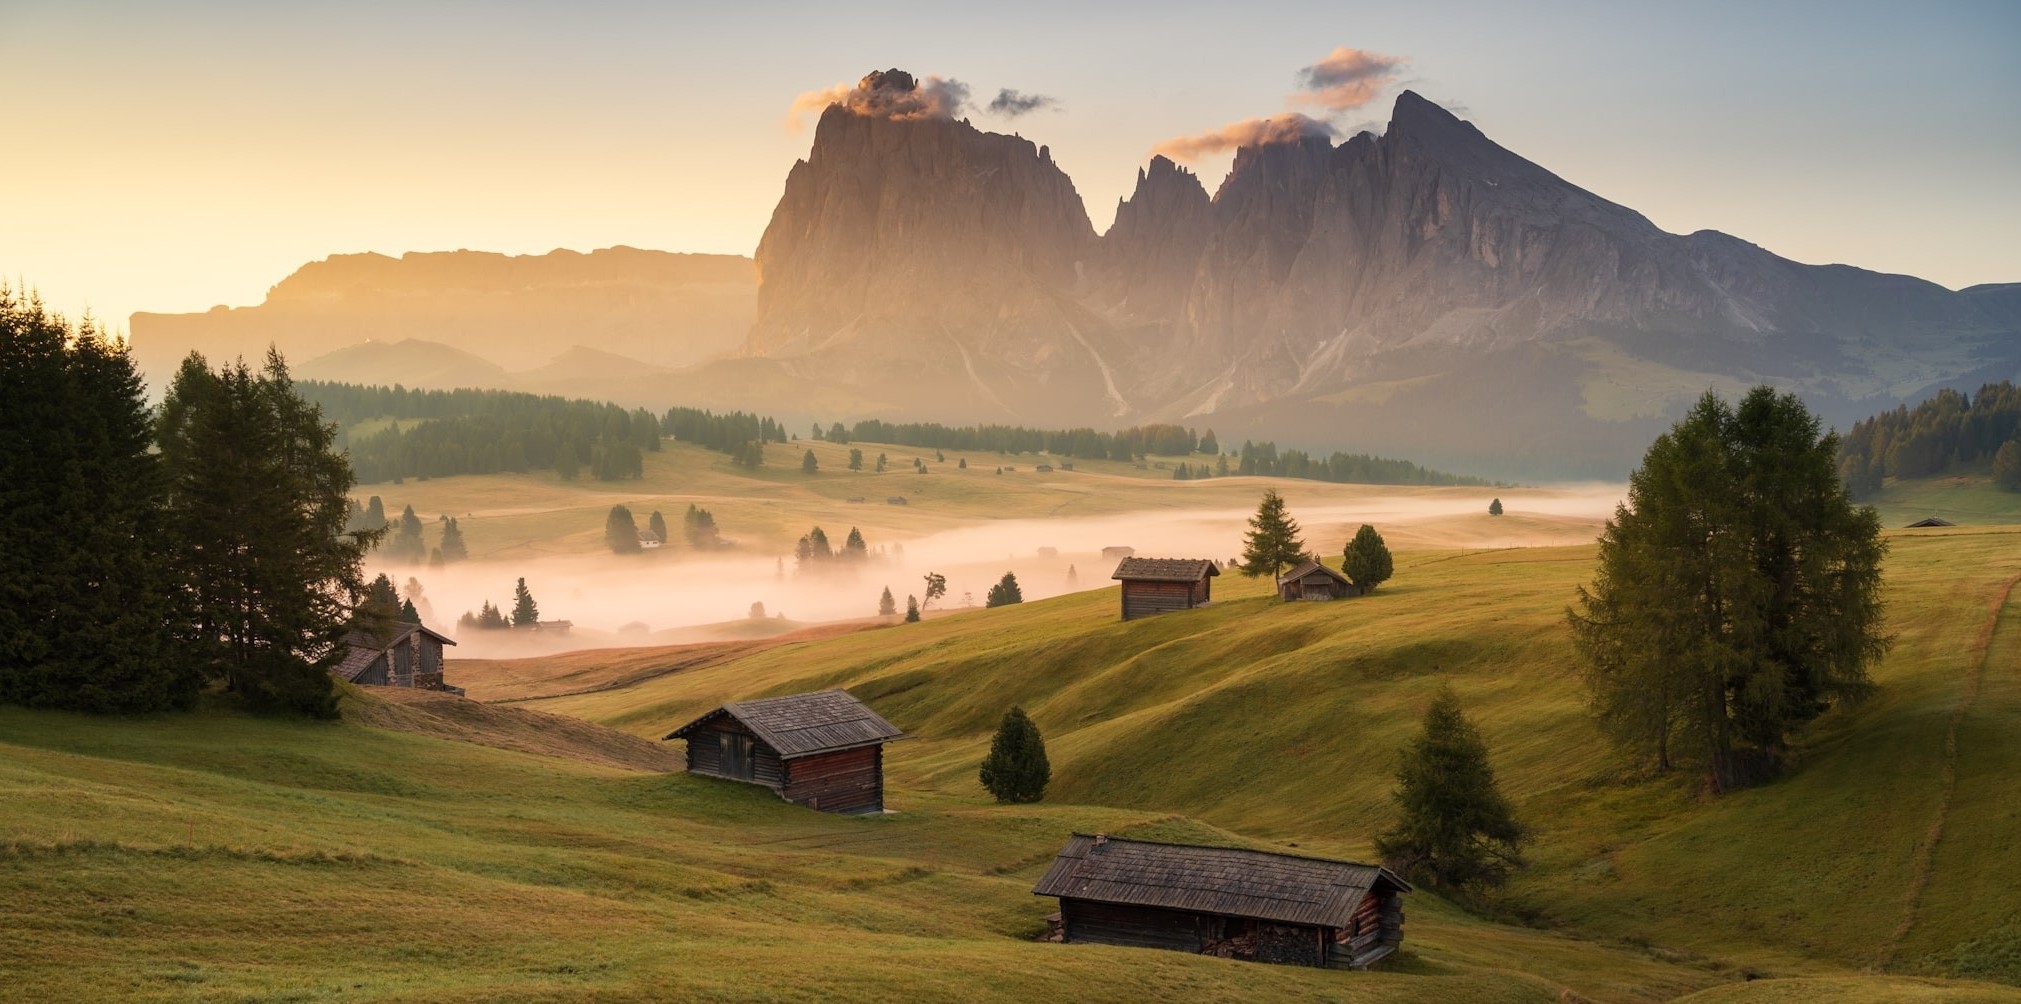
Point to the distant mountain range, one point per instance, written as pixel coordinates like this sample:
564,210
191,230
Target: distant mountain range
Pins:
1423,293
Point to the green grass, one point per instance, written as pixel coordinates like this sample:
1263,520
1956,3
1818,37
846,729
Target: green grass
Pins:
1282,721
1966,499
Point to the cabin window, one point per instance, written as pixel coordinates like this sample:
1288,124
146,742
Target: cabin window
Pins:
736,750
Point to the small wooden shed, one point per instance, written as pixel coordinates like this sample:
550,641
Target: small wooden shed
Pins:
406,655
1226,902
1314,581
1160,585
823,750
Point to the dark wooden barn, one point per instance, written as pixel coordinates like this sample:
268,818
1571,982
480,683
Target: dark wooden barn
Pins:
1226,902
1160,585
1314,581
823,750
405,655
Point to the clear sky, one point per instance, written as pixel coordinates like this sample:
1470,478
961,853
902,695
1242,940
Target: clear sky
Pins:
170,157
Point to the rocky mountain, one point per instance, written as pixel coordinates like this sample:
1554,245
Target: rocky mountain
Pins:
513,312
1423,292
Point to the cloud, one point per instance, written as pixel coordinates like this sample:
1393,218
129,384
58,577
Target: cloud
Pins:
1011,104
1288,127
888,94
1347,78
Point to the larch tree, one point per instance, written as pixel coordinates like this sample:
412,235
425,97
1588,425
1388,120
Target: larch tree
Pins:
1454,830
1737,596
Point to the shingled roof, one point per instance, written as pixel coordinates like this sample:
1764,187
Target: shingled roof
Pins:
1218,880
803,724
1165,569
364,646
1307,569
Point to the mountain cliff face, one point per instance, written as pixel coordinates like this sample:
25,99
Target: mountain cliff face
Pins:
1424,290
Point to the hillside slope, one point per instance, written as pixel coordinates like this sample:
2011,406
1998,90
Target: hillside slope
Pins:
1283,721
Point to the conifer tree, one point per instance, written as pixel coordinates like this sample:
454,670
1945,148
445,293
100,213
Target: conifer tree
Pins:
620,533
375,514
854,548
886,606
911,609
1367,562
90,611
525,612
1004,593
658,525
936,587
453,548
1272,542
1495,508
819,540
1016,770
1454,829
258,498
2007,465
405,543
808,464
855,459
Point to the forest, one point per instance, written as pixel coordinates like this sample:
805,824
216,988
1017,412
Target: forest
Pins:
1949,432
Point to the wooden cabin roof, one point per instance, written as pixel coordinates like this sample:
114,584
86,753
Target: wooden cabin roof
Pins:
1165,569
804,724
1307,569
363,646
1218,880
1930,521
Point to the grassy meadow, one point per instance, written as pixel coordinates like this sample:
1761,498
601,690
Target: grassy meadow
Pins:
416,851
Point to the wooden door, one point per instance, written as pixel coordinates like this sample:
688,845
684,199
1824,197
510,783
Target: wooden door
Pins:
736,750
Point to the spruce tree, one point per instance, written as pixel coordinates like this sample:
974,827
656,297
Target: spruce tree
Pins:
525,613
405,543
1016,770
854,547
258,497
2007,465
1004,593
658,525
91,612
1272,542
911,609
375,514
453,548
1454,829
1367,562
855,459
886,606
620,533
1495,507
809,465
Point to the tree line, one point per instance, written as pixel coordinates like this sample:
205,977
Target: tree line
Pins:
152,554
1949,431
450,432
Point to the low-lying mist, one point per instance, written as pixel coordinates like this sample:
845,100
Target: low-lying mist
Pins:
659,597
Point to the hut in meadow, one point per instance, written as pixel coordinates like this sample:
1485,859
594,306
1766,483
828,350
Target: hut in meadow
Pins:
822,750
1225,902
1160,585
1314,581
1929,521
402,655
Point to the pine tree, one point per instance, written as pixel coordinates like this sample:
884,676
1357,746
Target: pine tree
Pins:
408,614
1016,770
819,541
854,548
91,617
1454,829
880,463
525,613
1272,542
911,609
258,501
855,459
1367,562
886,606
620,533
936,587
2007,465
809,465
404,543
375,514
657,524
1004,593
1495,508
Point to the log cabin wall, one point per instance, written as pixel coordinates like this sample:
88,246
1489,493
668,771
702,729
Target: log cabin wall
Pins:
1142,599
845,781
705,754
1136,926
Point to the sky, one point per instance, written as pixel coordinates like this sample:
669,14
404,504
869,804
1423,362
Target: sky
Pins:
171,157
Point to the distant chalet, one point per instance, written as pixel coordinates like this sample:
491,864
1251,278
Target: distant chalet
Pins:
823,750
1314,581
408,655
1225,902
1161,585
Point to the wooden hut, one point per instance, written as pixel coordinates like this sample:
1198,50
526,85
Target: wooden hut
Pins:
406,655
823,750
1159,585
1929,521
1314,581
1225,902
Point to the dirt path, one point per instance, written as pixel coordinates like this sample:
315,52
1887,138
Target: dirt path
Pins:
1926,849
